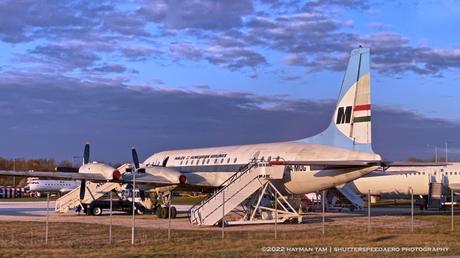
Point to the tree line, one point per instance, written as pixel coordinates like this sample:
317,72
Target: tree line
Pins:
22,164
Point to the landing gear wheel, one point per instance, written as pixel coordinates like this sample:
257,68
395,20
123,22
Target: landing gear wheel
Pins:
158,211
173,212
164,212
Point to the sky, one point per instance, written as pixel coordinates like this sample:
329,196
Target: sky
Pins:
163,75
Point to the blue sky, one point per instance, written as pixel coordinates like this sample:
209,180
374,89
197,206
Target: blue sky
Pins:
61,60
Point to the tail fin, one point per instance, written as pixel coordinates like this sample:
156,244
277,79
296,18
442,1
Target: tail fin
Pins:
351,124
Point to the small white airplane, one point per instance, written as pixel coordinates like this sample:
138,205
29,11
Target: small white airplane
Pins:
37,185
339,154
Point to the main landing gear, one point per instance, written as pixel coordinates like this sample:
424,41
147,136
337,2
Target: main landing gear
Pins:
164,212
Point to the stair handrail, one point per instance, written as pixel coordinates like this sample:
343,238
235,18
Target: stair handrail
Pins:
243,170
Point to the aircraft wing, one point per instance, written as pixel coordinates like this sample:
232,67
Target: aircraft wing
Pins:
141,178
150,179
95,177
414,164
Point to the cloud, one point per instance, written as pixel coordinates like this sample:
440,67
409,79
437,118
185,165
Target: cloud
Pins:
290,77
235,35
204,14
110,68
21,20
58,114
359,4
64,56
233,58
125,23
317,41
139,52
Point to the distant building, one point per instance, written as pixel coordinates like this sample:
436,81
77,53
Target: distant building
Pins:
8,192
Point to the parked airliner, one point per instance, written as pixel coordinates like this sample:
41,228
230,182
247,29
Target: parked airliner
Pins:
34,184
399,182
339,154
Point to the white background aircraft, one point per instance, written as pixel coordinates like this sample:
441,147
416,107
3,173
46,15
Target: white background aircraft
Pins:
398,182
36,185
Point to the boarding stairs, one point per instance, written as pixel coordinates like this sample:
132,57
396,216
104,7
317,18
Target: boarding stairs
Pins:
236,191
350,193
93,192
437,194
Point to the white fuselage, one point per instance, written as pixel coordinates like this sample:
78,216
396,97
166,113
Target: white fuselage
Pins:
399,181
212,166
41,185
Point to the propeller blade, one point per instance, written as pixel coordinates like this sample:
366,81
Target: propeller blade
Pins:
135,158
86,154
142,195
82,189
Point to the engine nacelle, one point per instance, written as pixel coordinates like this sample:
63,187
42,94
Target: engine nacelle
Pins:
108,172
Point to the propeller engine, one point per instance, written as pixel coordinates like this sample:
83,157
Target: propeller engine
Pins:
108,172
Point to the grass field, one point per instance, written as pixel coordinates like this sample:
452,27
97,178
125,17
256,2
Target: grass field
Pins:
21,239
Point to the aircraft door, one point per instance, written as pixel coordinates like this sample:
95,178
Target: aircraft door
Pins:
165,162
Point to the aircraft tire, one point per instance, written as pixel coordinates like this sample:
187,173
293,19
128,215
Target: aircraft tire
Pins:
173,212
163,212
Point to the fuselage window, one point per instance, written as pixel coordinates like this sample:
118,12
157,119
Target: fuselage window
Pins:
207,162
215,161
186,162
234,161
423,173
434,173
228,160
181,162
221,161
203,161
191,163
198,162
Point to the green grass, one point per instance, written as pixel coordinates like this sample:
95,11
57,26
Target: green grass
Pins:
26,239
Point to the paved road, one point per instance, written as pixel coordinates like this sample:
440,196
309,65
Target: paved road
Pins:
28,209
36,211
